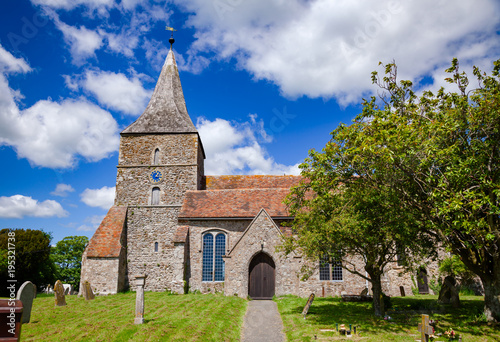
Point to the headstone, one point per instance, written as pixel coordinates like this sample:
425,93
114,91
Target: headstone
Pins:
425,329
449,292
87,292
26,294
308,305
402,290
364,292
67,289
59,291
140,281
49,290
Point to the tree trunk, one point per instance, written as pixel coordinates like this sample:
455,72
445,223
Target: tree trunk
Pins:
378,300
492,297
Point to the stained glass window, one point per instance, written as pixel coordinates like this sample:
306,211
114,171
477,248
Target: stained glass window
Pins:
213,250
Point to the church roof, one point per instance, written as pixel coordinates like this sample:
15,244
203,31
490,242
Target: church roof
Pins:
250,182
166,111
106,242
233,203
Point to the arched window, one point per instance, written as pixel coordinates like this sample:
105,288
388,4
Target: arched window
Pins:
214,246
155,196
156,246
156,158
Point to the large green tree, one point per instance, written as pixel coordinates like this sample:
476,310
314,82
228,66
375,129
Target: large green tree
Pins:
67,255
32,257
342,210
439,155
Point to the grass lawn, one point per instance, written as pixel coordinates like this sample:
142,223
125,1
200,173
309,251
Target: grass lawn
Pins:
192,317
406,313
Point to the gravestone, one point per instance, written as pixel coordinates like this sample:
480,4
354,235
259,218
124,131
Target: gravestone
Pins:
364,292
425,329
140,281
87,292
59,294
449,292
308,305
26,294
402,290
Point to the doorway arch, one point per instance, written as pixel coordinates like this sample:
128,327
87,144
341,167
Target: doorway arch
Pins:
261,277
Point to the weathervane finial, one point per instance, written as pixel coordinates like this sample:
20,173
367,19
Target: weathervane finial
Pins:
171,40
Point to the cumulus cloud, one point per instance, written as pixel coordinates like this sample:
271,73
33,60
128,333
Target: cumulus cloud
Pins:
117,91
328,48
19,206
82,41
91,223
235,148
99,5
102,198
55,134
62,190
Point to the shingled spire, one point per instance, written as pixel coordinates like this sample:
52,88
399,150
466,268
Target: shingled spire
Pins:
166,111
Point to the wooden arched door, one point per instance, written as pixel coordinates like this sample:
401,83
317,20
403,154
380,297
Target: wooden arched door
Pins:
261,277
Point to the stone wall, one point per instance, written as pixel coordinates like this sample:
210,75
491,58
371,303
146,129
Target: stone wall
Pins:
165,268
105,275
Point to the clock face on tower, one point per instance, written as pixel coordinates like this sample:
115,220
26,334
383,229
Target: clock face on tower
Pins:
155,176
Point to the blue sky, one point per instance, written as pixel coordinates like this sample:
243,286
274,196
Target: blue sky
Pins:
264,82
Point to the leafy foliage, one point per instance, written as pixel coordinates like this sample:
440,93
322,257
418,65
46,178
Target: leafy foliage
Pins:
67,256
32,257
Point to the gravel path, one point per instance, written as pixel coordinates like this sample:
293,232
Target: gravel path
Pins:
262,322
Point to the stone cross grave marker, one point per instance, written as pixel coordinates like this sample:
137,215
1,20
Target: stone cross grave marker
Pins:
59,294
26,294
88,294
308,305
425,329
140,280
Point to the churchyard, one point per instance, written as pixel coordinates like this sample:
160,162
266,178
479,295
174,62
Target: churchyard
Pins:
214,317
405,314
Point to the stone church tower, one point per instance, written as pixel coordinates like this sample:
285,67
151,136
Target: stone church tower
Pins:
160,158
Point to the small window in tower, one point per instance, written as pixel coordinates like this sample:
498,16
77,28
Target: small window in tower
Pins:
156,158
156,246
155,196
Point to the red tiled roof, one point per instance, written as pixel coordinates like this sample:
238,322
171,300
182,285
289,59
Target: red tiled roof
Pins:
181,234
238,203
106,240
250,182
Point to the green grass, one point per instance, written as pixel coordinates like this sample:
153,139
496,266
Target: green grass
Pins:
406,314
111,318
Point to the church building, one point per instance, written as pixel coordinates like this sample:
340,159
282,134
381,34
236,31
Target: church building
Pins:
188,231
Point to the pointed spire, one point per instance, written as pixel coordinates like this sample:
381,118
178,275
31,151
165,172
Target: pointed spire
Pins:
166,111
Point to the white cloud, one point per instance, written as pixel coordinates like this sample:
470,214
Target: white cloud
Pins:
93,223
82,41
62,190
123,42
233,148
19,206
328,48
99,5
9,63
116,91
102,198
55,134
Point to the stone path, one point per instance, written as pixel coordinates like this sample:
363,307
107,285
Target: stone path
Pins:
262,322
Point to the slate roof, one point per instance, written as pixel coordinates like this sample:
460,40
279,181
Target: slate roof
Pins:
233,203
166,111
250,182
106,242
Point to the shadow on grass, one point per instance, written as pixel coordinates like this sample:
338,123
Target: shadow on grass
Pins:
405,315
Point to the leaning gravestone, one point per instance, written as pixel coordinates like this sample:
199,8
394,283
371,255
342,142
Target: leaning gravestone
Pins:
87,292
59,294
308,305
449,292
26,294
